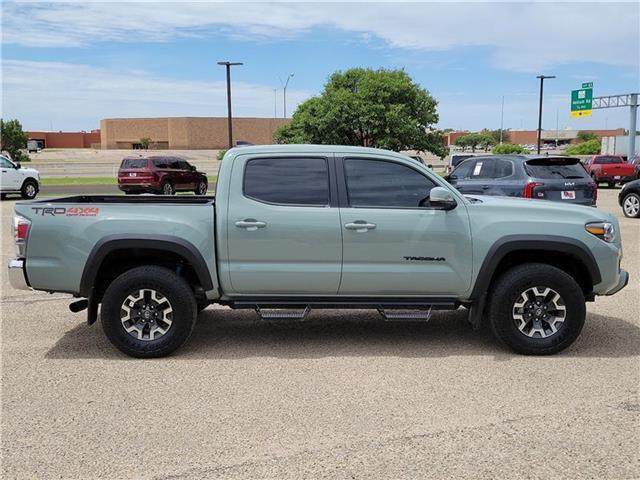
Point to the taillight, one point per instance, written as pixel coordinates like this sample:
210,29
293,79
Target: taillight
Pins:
529,188
594,186
21,228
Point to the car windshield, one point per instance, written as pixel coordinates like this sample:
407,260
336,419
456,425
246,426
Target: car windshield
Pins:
550,168
134,163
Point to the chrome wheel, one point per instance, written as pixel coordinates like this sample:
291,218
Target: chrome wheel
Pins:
146,314
167,189
202,188
631,206
539,312
30,190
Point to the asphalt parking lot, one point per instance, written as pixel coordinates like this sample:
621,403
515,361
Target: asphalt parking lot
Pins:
343,395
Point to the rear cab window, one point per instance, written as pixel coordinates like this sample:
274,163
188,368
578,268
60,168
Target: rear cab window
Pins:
131,163
287,181
608,160
558,168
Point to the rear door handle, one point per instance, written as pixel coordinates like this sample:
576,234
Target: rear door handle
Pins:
360,226
486,187
250,224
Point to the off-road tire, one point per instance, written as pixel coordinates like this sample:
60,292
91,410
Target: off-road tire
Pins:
29,189
171,286
508,288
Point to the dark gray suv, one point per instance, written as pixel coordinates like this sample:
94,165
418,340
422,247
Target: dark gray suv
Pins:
563,179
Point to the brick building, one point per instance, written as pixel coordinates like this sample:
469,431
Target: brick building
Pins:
185,133
66,139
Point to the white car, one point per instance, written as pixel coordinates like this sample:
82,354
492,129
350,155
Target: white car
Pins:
15,179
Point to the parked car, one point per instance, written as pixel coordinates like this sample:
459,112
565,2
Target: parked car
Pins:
295,227
161,174
629,199
456,158
636,163
16,179
611,169
33,146
542,177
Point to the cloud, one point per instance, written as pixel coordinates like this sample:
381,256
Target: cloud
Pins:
78,96
521,36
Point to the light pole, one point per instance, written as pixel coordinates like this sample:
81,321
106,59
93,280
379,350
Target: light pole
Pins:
285,94
501,119
542,78
275,103
228,65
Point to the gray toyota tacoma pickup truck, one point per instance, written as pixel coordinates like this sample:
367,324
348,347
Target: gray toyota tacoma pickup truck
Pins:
297,227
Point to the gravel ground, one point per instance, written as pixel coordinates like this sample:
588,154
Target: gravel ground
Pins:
343,395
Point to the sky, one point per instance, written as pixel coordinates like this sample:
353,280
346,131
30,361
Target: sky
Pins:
67,65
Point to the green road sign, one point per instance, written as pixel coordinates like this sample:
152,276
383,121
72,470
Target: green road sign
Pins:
581,101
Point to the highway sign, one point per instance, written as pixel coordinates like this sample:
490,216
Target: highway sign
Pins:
581,101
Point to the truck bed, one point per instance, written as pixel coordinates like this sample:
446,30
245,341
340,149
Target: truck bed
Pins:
116,199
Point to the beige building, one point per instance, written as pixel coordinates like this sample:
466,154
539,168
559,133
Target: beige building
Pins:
185,133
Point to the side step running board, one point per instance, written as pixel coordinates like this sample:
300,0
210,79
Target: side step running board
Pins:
405,315
282,314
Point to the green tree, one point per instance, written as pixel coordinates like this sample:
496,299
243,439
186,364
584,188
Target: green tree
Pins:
221,154
472,140
375,108
506,148
496,135
587,136
591,147
146,142
486,140
13,140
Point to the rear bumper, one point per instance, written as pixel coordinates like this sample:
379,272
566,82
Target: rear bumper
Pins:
139,187
17,275
611,178
622,282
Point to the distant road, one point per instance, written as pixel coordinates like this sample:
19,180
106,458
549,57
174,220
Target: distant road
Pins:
79,189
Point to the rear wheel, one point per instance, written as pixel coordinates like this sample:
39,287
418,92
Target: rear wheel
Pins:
631,205
29,189
611,184
168,188
536,309
148,312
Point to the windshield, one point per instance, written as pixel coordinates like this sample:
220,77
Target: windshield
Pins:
550,168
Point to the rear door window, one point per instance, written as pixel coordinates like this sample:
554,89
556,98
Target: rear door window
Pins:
288,181
160,162
130,163
550,168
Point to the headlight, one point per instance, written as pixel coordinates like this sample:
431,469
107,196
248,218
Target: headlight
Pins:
603,230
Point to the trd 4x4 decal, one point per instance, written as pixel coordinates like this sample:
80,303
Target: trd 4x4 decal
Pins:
67,212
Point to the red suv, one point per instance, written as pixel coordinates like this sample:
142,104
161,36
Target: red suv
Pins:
160,174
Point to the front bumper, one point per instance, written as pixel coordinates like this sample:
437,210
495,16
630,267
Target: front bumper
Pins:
622,282
17,275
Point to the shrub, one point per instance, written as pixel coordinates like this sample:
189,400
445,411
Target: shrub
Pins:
221,153
509,148
591,147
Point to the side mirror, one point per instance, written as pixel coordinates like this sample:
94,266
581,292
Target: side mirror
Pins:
18,166
192,168
442,199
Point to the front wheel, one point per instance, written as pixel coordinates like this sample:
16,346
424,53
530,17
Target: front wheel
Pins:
536,309
631,205
29,190
148,312
201,187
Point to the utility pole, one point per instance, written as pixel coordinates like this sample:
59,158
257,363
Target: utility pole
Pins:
285,94
542,78
557,128
632,127
228,65
501,119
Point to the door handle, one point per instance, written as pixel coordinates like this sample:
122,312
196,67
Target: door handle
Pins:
485,187
360,226
250,224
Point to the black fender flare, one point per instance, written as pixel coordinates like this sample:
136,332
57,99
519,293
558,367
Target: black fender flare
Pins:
165,243
512,243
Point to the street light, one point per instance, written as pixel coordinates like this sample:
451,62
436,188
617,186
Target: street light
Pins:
230,128
285,94
542,78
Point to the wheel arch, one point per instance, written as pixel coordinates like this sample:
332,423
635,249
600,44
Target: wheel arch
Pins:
568,254
115,254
